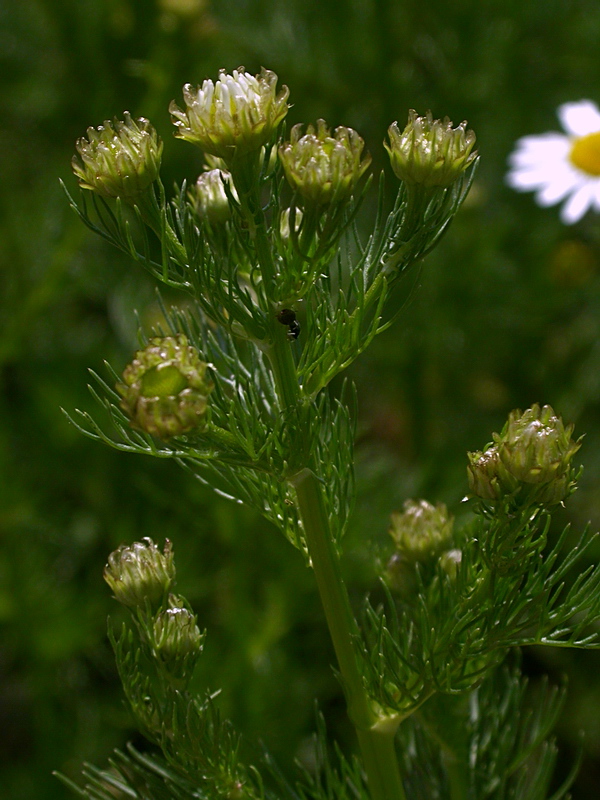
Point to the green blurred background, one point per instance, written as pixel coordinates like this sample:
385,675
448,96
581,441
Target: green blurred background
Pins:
507,313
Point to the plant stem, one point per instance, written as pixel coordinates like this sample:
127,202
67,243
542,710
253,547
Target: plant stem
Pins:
377,746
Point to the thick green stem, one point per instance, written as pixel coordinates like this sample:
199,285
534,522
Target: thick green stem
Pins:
376,743
377,746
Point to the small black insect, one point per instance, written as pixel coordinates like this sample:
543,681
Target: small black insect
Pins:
288,317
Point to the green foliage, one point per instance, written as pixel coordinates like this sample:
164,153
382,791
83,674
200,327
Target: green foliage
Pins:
270,432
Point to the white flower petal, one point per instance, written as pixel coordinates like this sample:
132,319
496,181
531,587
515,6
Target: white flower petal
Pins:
540,177
576,206
546,145
558,189
580,118
525,180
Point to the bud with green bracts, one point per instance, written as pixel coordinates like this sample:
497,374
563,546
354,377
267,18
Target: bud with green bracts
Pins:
209,198
529,461
165,388
119,159
322,168
421,533
177,640
236,114
421,530
140,574
430,152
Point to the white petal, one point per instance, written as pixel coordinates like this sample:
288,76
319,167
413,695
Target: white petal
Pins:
540,177
547,151
576,206
557,190
550,144
580,118
525,180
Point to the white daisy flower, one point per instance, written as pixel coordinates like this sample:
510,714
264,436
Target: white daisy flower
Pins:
562,166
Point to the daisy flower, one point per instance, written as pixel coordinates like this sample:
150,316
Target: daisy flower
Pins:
562,166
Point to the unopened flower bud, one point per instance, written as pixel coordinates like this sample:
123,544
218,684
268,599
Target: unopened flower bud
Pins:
238,113
531,457
284,222
140,573
165,388
450,562
177,640
323,168
209,198
430,152
421,530
119,159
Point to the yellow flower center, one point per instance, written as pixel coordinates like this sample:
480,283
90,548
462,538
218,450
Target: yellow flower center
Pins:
585,153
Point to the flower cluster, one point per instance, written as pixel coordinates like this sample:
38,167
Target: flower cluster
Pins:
322,168
529,461
165,389
430,152
562,166
236,114
119,159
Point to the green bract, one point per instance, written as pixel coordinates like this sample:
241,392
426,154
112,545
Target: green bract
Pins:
430,152
323,168
119,159
165,388
530,459
140,573
238,113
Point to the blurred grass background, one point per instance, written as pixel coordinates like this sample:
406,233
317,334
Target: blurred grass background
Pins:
507,313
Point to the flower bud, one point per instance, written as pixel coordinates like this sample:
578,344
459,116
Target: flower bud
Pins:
284,222
322,168
119,159
239,113
165,388
421,530
140,573
450,562
430,152
421,533
177,640
209,198
531,457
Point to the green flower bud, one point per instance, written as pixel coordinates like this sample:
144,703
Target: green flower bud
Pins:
322,168
208,196
177,640
450,562
430,152
140,573
239,113
284,223
165,388
532,457
422,530
119,159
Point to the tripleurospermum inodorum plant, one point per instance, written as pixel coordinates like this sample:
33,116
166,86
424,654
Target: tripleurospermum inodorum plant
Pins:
283,295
